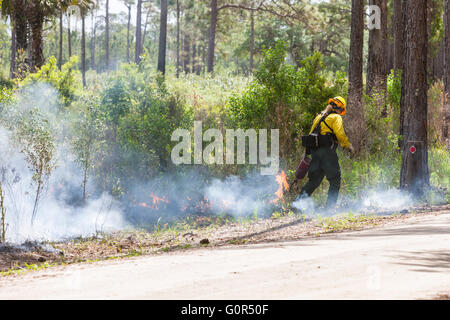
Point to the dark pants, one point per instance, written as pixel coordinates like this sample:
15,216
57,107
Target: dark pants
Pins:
324,163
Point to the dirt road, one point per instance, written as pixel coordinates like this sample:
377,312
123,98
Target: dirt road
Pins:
410,261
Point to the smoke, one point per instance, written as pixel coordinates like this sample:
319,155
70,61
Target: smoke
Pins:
240,197
379,201
62,214
59,215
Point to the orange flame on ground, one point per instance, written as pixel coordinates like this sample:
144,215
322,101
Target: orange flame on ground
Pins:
203,205
155,202
143,204
282,181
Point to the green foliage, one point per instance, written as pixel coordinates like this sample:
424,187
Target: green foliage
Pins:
5,95
124,127
285,97
394,89
435,114
6,83
439,162
63,80
88,133
34,135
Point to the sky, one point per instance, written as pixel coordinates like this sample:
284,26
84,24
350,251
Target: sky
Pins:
117,6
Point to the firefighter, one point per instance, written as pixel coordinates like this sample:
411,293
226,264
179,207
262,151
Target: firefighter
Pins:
324,161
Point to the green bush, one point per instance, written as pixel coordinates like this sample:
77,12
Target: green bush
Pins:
285,97
63,80
136,115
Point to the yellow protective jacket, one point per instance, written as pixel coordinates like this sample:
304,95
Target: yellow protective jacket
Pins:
334,121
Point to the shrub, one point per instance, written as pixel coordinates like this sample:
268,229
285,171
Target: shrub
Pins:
285,98
63,80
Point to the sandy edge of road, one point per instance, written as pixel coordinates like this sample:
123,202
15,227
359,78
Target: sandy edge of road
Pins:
401,261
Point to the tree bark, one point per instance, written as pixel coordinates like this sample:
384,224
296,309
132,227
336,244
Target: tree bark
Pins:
19,21
178,39
137,48
36,22
355,117
12,63
212,36
107,35
186,53
83,49
194,57
69,38
94,30
198,69
162,38
128,32
398,36
60,53
377,59
446,134
414,175
402,103
252,39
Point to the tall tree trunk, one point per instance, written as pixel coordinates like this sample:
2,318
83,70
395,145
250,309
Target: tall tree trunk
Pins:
398,35
60,49
12,61
212,36
252,39
402,103
29,48
83,49
162,38
19,20
204,53
69,38
178,38
446,134
377,59
414,175
36,22
198,70
107,35
128,32
186,52
355,117
194,56
429,21
137,48
94,30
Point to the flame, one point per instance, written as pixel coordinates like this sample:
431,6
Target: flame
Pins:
205,204
282,181
145,205
156,200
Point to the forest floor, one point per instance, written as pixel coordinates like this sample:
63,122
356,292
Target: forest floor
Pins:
204,231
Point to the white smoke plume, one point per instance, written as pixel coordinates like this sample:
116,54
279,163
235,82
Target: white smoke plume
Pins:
62,215
380,201
57,217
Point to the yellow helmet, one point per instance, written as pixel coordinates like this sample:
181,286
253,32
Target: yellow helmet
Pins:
340,105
